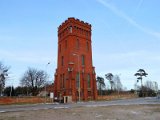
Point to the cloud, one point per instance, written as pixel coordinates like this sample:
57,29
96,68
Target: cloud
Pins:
139,5
121,14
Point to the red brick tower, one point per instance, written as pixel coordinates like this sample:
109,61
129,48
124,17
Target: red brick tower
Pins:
75,74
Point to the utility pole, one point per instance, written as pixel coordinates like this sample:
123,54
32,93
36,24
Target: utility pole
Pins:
79,87
46,84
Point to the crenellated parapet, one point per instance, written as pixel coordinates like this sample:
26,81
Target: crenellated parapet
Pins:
73,26
76,21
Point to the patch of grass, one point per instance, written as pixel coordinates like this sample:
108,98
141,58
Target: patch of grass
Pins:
157,110
8,118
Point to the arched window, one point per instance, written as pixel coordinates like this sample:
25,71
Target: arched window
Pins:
70,29
62,61
88,81
63,80
77,80
60,48
77,43
66,44
83,59
87,46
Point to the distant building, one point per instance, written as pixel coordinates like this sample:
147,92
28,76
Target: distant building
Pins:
47,90
74,57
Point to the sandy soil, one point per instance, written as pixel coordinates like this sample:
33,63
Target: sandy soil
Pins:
131,112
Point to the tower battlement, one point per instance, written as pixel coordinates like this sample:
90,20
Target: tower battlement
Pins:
76,21
75,27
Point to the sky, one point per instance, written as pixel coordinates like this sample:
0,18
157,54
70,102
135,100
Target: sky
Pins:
125,36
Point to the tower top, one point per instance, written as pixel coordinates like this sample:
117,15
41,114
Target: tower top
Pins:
72,20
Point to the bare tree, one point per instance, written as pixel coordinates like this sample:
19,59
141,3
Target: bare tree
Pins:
34,79
117,83
149,84
109,76
152,85
3,76
155,86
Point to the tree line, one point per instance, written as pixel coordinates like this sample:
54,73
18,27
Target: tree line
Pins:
34,80
150,88
114,81
31,82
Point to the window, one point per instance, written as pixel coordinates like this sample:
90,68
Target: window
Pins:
88,80
80,31
77,80
62,34
60,48
83,59
86,33
62,61
77,43
75,28
87,46
63,81
70,29
66,44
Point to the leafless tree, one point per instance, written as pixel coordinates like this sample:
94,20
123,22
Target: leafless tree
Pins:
149,84
3,76
34,79
152,85
117,83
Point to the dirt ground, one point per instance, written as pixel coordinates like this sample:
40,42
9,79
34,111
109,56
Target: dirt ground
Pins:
127,112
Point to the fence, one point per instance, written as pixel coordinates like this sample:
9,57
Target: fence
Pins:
23,100
117,96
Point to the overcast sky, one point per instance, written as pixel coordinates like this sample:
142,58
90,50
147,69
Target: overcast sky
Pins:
125,35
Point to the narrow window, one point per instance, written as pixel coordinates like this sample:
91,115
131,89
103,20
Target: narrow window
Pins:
75,28
86,33
77,80
62,61
83,59
60,48
66,31
70,29
88,81
77,43
81,31
62,34
87,46
63,81
66,44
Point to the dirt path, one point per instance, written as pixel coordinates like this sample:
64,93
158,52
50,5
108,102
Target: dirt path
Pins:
131,112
